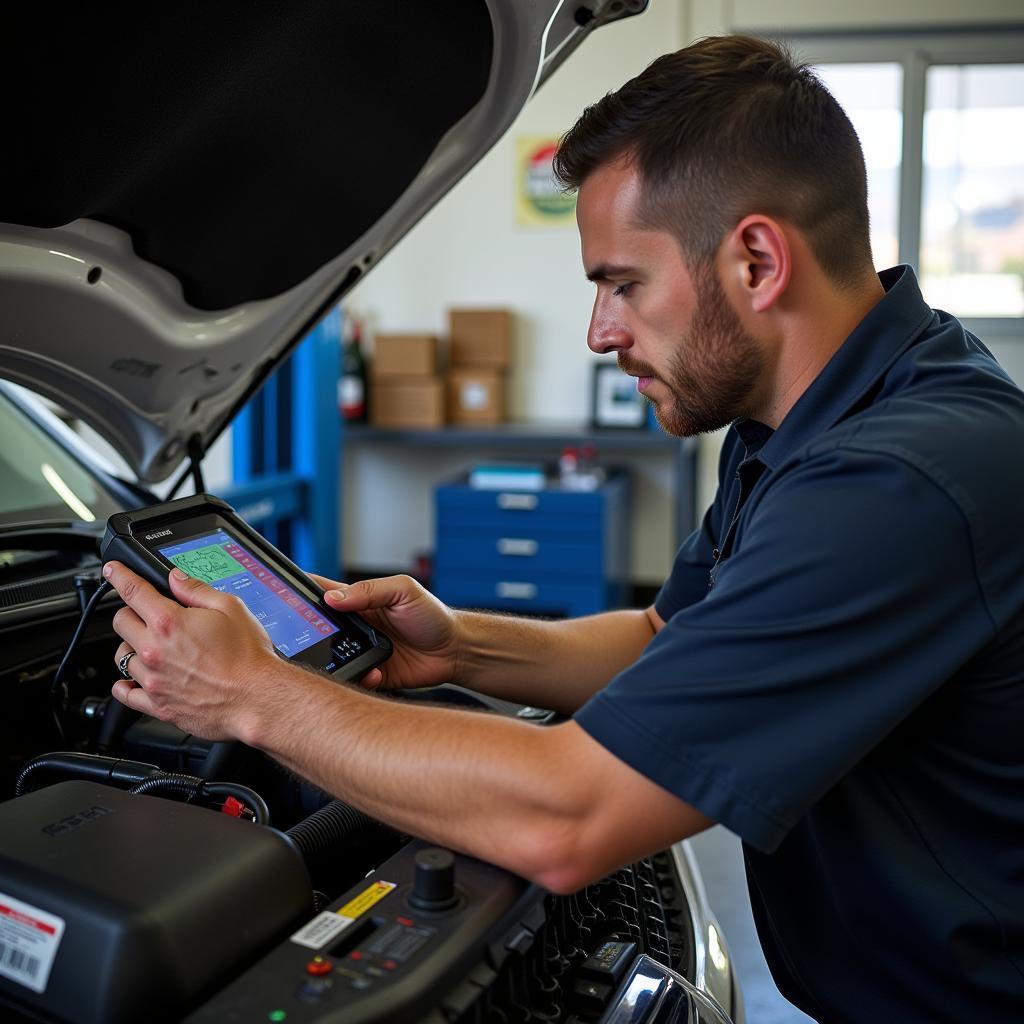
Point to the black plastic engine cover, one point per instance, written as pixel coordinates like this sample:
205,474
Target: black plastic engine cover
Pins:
158,901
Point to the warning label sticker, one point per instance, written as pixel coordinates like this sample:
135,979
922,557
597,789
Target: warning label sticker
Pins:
366,899
325,926
29,940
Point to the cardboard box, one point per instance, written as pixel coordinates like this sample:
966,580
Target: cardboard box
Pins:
404,355
407,402
481,337
476,396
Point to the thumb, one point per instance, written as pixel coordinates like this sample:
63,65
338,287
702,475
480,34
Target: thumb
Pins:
191,592
366,594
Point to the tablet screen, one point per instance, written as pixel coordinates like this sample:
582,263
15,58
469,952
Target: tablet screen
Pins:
221,561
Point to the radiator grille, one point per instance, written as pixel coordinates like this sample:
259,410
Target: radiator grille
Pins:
14,595
533,980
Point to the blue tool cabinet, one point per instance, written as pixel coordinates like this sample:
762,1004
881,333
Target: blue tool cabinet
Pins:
548,552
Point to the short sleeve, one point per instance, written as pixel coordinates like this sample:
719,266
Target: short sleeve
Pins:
850,598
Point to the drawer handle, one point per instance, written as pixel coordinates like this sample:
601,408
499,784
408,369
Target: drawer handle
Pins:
525,502
517,591
517,546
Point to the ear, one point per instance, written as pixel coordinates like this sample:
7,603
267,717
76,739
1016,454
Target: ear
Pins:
759,260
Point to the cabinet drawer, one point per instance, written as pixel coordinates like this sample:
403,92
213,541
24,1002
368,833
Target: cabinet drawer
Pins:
501,523
513,512
524,592
526,551
552,501
519,514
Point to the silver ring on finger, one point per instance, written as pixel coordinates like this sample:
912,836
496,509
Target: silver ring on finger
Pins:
122,664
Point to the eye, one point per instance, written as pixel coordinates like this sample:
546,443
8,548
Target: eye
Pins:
623,289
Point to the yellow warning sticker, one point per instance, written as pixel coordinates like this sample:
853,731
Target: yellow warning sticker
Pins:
366,899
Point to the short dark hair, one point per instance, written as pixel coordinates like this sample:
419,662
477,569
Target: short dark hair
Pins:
727,126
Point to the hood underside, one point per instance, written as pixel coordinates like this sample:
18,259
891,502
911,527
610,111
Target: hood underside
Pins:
186,190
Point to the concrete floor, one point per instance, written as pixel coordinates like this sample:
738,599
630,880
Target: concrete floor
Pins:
721,863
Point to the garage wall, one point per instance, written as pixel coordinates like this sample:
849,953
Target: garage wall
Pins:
469,251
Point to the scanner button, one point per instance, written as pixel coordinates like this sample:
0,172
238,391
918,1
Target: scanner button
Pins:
318,966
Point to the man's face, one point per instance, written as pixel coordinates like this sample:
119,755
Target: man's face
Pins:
671,328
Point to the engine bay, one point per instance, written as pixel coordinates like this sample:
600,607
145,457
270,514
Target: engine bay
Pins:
204,882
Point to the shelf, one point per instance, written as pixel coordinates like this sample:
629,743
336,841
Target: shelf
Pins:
519,434
539,437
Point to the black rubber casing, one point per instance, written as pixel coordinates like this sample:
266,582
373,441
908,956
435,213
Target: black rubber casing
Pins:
124,540
160,899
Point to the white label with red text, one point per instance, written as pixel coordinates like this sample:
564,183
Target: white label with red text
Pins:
29,940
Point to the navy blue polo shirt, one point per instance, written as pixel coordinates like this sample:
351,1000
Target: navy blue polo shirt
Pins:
840,679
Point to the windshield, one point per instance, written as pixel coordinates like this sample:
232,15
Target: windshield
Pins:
39,480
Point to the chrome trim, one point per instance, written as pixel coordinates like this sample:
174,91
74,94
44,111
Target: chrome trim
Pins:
716,981
697,900
654,994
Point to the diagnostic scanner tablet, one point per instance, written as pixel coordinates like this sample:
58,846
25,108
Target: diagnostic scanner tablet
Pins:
204,536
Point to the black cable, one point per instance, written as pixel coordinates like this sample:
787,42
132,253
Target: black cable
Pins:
140,778
58,688
187,786
191,787
244,795
176,486
192,469
195,458
111,770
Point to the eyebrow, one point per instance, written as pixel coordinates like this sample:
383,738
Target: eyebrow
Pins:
605,271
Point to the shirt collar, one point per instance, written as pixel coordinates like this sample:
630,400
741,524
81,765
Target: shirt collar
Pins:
876,342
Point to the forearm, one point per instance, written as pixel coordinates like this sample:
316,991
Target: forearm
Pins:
479,783
553,664
549,804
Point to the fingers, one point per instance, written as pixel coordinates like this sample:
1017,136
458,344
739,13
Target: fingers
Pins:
133,696
385,592
133,661
372,679
139,595
130,691
129,626
195,593
323,582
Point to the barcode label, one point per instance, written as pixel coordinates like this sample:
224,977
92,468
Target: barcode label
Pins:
18,960
29,940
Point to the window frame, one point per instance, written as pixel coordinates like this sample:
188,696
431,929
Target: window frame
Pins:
916,52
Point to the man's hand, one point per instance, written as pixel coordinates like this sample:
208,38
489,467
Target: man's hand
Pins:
424,631
199,666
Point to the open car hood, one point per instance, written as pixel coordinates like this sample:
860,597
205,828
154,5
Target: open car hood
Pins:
187,189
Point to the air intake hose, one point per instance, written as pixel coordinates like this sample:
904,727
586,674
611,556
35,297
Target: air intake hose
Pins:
324,829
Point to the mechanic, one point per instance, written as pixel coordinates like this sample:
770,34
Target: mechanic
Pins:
833,668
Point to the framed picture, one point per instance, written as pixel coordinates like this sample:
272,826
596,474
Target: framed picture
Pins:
615,401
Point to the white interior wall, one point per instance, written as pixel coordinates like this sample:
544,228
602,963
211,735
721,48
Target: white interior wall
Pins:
469,251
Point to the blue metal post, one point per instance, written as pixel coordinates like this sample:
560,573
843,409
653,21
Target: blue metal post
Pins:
316,444
285,453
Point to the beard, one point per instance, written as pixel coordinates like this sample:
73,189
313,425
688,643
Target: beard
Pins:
712,372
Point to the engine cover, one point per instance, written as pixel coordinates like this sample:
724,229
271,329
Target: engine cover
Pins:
111,902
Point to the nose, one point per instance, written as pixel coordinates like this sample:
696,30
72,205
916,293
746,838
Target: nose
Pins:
607,332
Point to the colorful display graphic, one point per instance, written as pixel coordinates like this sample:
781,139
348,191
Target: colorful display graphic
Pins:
292,623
